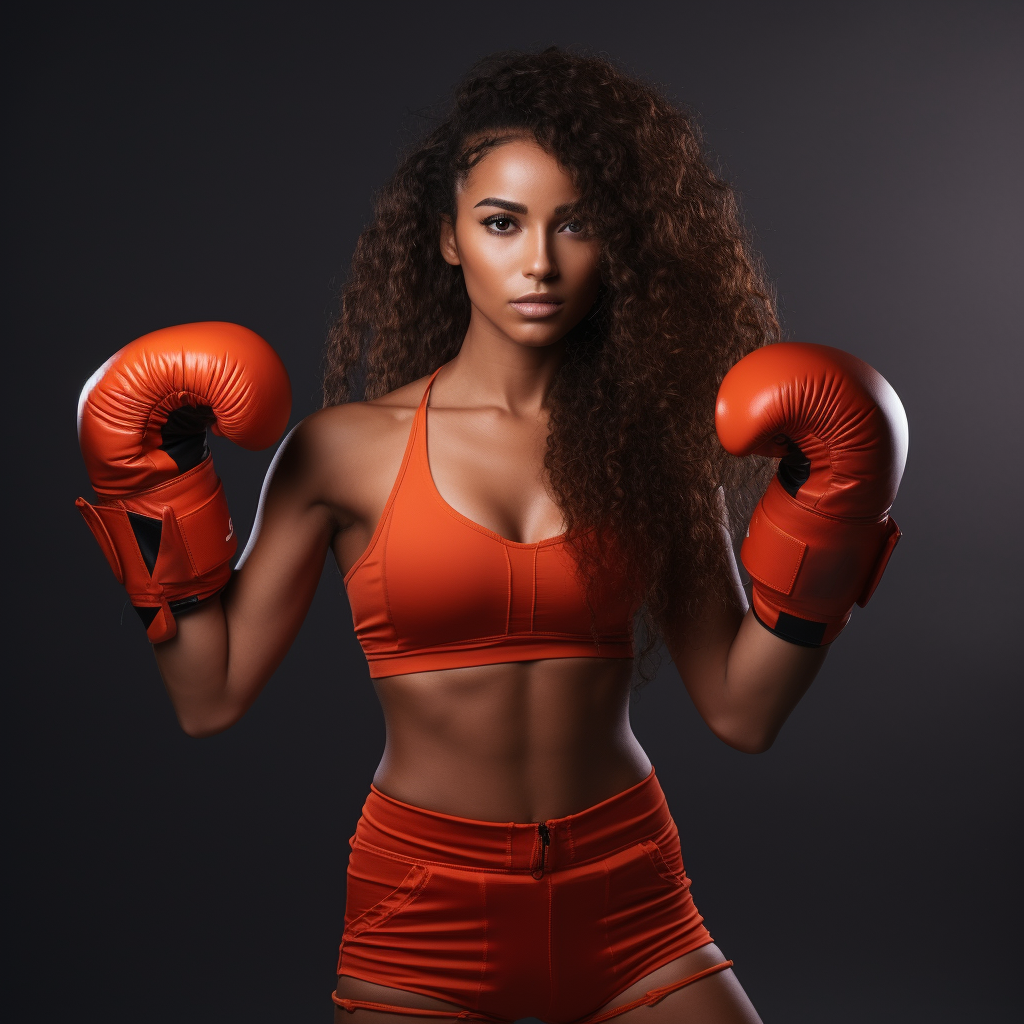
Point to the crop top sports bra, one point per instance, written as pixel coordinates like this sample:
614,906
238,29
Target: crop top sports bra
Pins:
434,590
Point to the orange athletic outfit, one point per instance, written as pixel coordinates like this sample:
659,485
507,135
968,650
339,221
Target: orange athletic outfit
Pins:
548,919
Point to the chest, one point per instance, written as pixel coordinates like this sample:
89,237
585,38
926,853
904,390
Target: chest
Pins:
446,580
488,466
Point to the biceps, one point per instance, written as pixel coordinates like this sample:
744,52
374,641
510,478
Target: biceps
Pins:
274,585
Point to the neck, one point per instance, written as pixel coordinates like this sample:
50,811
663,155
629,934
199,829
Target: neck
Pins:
493,370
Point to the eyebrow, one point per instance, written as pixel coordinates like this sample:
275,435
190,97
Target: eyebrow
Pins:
505,204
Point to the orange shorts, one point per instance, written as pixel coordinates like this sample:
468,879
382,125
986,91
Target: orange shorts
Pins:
548,920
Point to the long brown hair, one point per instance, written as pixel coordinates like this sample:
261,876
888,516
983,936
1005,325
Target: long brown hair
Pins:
632,451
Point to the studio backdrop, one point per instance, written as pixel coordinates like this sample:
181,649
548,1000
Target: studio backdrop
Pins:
179,163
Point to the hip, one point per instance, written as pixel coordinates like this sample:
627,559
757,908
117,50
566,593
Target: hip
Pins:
539,918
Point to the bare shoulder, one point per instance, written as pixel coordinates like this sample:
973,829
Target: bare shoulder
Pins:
343,432
347,455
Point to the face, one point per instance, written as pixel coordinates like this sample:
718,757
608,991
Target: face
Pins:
531,271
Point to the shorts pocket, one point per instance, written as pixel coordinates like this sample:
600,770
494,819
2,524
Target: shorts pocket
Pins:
650,918
378,888
408,919
660,865
641,883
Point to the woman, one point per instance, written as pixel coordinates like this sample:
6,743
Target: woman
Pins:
539,315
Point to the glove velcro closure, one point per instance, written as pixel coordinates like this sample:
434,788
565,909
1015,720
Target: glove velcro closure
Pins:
171,545
809,569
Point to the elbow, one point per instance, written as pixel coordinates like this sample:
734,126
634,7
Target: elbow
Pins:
746,737
199,725
200,730
752,745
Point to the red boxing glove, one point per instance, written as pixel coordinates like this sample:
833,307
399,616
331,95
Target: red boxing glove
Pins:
162,519
821,536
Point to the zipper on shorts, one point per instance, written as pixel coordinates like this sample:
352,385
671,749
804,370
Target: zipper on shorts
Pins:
544,834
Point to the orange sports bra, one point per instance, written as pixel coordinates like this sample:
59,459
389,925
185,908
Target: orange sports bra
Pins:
434,590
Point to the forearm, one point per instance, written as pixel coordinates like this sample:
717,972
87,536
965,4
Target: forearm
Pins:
816,544
764,679
194,665
229,646
744,680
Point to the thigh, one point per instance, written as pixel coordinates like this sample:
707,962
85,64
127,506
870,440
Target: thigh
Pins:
366,991
717,999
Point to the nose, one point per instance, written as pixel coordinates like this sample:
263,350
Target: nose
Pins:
540,260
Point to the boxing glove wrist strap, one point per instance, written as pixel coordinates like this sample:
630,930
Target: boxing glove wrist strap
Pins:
809,569
170,546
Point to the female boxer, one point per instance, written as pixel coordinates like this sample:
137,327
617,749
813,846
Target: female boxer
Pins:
539,317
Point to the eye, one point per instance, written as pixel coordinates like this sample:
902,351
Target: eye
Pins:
500,224
573,227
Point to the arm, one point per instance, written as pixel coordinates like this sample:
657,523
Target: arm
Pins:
743,680
226,649
818,541
162,521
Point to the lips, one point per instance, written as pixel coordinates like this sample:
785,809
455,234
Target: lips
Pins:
536,305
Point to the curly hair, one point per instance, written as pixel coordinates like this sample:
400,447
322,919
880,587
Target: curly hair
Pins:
632,451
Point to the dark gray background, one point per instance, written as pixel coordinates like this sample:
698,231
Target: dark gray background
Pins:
170,164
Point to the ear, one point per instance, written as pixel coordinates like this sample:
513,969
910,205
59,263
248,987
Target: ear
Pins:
449,250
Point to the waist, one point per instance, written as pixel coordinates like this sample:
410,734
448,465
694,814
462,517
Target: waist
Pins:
519,741
406,831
